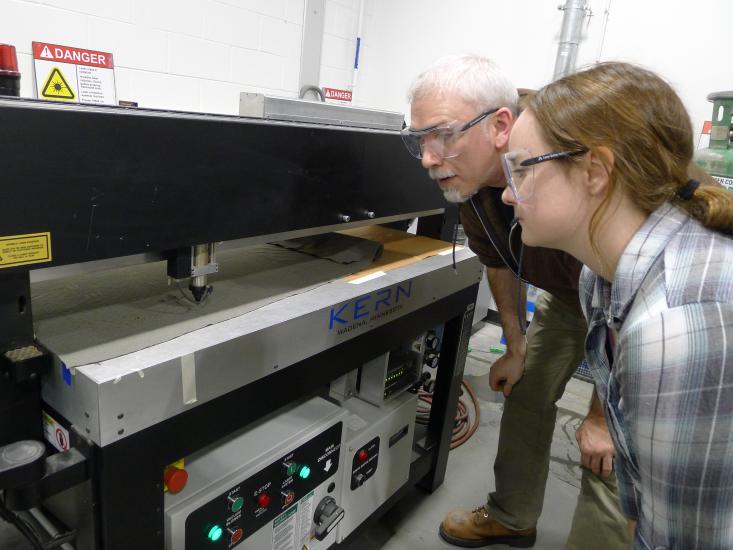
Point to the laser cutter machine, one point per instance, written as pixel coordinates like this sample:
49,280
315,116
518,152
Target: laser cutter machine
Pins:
209,330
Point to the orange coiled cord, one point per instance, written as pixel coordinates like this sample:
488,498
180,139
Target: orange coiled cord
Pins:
463,429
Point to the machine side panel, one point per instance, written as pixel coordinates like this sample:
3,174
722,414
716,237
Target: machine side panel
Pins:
392,425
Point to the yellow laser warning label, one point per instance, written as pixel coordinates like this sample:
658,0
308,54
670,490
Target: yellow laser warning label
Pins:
57,87
25,249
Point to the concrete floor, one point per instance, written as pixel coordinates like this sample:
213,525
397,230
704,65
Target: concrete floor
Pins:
413,523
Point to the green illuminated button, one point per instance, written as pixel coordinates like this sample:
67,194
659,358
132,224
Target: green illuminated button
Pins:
215,533
290,468
305,472
236,503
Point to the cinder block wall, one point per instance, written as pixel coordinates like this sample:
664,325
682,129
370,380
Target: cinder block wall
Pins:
191,55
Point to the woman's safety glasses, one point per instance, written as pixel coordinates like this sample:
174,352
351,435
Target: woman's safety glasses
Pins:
519,169
441,140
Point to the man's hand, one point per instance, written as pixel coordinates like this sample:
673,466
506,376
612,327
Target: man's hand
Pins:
631,526
596,446
506,371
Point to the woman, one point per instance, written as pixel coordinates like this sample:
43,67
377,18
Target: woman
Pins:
598,168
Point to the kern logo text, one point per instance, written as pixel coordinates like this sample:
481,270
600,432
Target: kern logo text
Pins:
368,308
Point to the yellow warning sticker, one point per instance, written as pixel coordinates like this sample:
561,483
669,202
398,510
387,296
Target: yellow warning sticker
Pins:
57,87
25,249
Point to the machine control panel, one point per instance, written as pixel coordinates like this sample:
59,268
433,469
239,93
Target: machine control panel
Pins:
364,463
234,515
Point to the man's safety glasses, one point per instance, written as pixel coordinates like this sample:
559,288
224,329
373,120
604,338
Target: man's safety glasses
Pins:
440,140
519,169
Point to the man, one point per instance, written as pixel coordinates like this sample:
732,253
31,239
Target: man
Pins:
462,111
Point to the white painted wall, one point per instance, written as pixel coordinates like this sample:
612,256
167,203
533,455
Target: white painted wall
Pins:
198,55
339,43
682,40
192,55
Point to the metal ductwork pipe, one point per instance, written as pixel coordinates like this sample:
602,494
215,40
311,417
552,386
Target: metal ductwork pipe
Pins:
572,25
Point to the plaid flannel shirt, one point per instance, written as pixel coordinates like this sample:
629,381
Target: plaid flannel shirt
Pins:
668,394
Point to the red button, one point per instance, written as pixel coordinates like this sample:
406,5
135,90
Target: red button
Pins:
263,501
175,479
236,536
362,456
288,497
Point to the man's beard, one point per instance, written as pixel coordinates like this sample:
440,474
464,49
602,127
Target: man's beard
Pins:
451,194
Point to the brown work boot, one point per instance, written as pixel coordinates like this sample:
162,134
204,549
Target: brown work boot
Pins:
476,528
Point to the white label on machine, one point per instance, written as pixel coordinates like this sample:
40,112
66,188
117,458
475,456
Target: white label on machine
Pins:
56,434
188,378
284,530
727,182
305,518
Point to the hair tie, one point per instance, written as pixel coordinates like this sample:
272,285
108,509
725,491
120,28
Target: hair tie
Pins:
688,190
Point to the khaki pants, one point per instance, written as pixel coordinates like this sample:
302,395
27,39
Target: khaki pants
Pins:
554,351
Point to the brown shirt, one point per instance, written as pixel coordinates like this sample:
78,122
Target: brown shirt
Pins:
489,237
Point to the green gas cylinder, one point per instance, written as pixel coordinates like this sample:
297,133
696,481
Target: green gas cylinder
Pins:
717,160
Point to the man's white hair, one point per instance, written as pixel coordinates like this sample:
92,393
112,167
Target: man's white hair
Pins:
475,78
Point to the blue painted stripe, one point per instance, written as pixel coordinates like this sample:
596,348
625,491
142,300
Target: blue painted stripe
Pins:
66,375
358,47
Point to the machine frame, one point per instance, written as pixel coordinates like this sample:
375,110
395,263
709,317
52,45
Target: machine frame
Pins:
133,186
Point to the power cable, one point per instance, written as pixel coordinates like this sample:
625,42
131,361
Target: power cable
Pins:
31,535
463,429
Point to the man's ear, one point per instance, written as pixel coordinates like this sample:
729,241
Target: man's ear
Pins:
599,166
503,122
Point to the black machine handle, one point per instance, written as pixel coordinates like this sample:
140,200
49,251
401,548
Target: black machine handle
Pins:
328,515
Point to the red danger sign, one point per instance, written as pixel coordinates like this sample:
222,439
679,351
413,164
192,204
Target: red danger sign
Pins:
63,443
334,93
75,56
